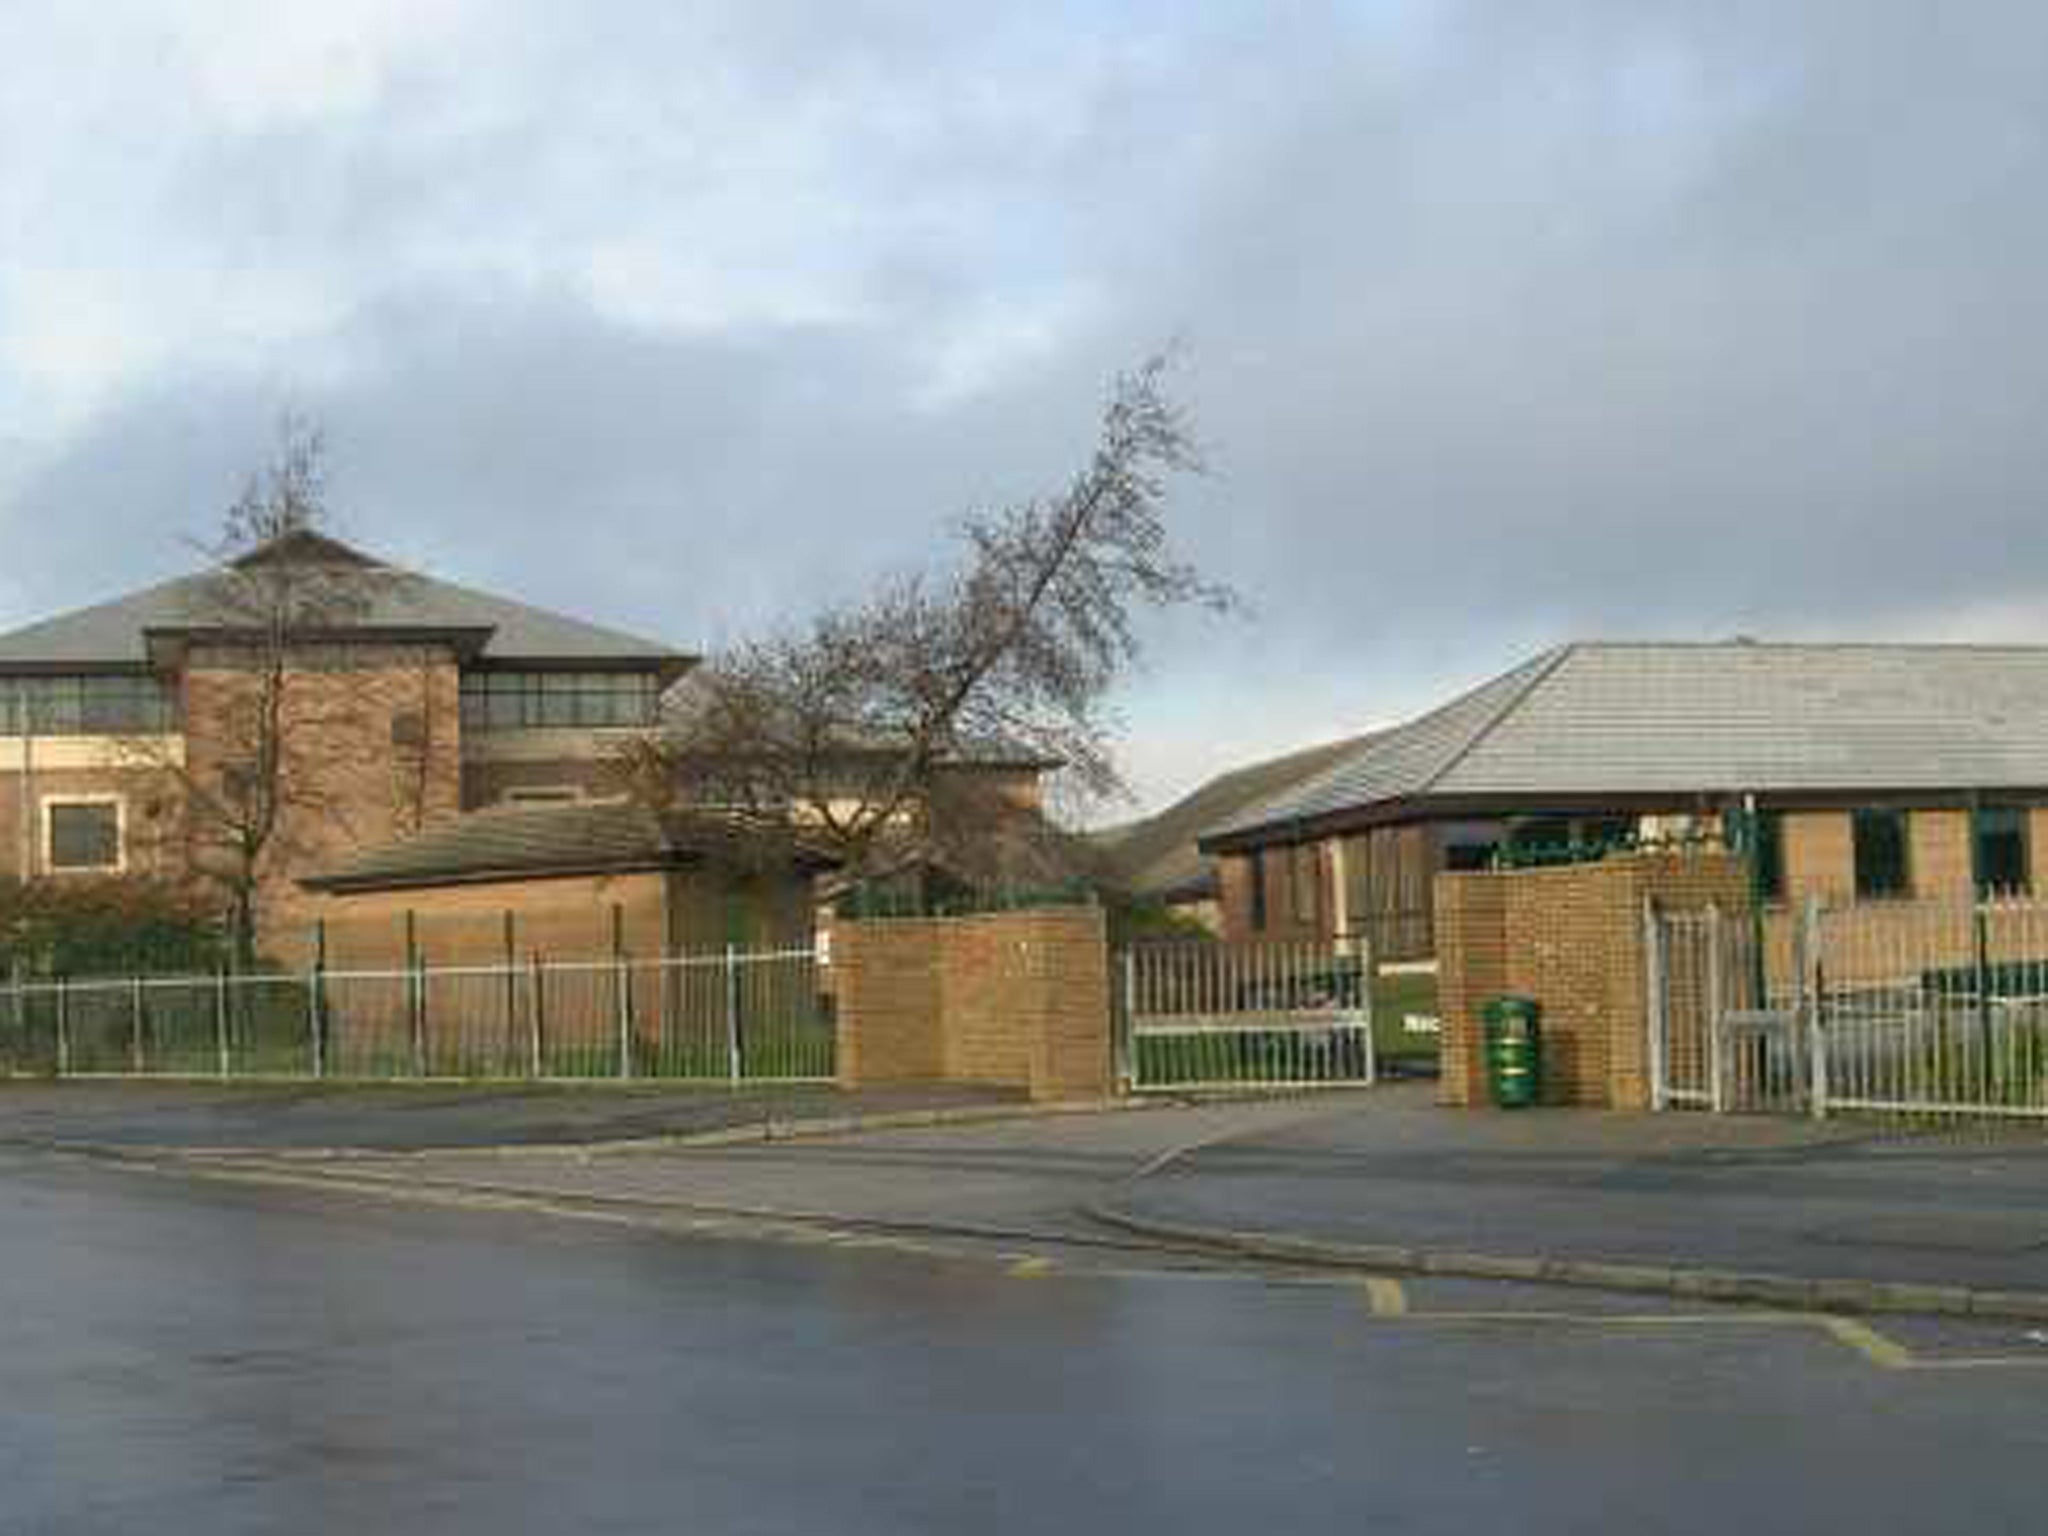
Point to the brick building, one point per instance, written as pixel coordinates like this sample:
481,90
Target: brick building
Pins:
1868,772
418,705
431,700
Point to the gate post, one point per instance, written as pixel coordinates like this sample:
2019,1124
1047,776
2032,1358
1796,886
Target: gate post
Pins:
1717,1085
222,1055
1656,1009
735,1055
1368,972
1811,1004
1126,1063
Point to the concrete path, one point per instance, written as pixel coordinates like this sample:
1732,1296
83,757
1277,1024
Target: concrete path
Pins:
1784,1197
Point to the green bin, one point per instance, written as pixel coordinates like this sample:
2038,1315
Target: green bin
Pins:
1514,1052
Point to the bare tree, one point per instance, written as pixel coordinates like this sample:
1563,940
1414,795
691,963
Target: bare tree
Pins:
881,729
266,748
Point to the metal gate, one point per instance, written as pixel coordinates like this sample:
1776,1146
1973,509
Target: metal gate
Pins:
1727,1010
1200,1015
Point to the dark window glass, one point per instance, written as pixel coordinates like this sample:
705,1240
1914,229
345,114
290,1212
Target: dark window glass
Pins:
1880,838
1541,832
85,836
2001,850
1257,867
112,704
512,701
1770,855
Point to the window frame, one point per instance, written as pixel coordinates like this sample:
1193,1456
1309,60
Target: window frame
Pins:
88,704
2021,830
1257,903
51,804
559,699
1871,816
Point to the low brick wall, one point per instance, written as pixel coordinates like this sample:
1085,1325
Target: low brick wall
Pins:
1570,937
1010,999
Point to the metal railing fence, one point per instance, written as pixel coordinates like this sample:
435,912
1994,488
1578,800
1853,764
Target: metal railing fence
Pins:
1928,1007
1198,1015
738,1015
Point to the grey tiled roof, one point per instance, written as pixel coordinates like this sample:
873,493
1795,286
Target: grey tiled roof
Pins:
1622,718
114,633
511,842
1156,858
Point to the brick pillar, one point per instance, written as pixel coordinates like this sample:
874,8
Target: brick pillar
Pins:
1471,959
1008,999
886,983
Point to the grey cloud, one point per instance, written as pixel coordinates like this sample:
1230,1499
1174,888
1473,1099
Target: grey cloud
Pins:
1505,322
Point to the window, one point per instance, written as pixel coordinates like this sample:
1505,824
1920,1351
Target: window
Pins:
1255,863
1769,854
1880,839
513,701
81,835
1999,840
1541,832
109,705
1469,845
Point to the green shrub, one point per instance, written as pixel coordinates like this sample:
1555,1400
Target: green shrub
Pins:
115,926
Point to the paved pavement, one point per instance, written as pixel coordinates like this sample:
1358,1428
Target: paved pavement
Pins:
1031,1176
185,1356
1821,1200
1838,1200
406,1116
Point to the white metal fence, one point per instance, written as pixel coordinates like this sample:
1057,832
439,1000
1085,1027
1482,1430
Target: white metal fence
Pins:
1919,1008
1204,1015
742,1015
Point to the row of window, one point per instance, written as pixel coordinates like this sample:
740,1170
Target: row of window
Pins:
121,704
513,701
2001,852
111,705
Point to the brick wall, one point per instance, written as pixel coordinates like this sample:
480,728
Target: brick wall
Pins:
1820,857
373,747
1939,855
565,918
148,808
1571,938
1014,999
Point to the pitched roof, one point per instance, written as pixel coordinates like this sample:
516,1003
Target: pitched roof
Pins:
116,633
1157,857
514,842
1641,718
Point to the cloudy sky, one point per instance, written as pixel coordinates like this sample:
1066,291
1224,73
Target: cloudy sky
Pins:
1504,322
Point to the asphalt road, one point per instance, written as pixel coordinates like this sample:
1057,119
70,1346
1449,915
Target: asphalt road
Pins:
179,1356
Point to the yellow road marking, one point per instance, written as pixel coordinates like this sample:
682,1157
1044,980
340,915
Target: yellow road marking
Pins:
1869,1343
1386,1296
1031,1269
